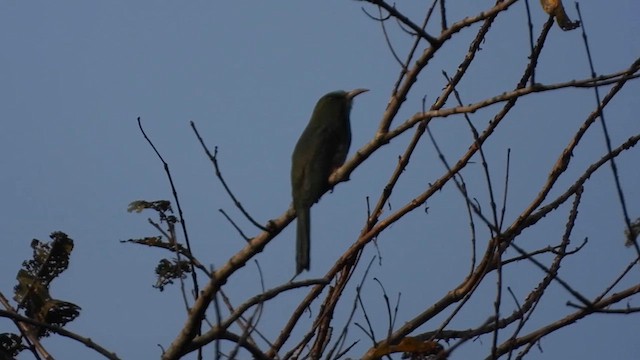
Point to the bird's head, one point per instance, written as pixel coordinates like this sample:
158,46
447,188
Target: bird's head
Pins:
340,98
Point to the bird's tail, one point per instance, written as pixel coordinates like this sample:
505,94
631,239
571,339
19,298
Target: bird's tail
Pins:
303,242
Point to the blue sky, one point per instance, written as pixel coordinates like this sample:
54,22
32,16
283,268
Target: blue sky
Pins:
75,75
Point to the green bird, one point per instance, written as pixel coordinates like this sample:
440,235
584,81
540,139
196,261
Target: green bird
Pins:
321,149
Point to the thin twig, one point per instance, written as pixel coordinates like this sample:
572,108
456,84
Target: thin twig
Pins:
176,198
605,132
214,160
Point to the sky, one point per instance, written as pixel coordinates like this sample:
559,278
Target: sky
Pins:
75,75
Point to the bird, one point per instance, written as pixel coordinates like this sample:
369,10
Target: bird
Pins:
556,9
320,150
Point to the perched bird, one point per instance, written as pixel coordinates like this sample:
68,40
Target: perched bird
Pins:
555,8
322,148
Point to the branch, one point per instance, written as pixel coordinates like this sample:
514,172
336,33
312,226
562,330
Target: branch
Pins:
61,331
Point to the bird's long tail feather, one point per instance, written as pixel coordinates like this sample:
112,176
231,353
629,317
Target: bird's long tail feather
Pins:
303,242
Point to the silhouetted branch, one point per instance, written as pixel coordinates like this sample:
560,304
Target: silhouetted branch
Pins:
214,160
176,198
605,132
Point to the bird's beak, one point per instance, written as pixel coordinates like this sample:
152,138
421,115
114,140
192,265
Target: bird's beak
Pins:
353,93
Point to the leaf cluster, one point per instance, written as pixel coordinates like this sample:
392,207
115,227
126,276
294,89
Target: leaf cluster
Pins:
32,293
